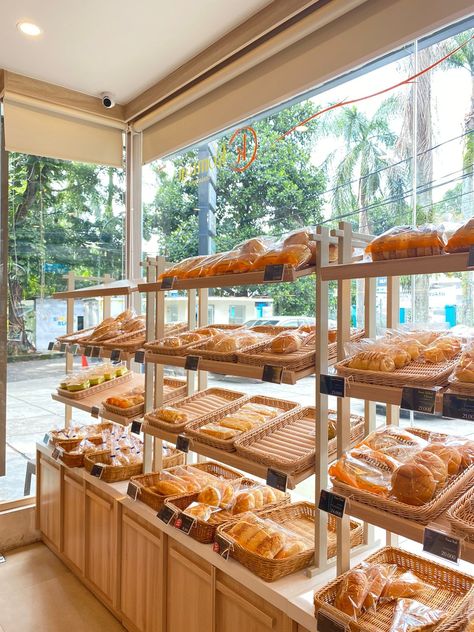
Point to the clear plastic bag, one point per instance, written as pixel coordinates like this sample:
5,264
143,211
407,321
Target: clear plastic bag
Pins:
401,242
405,585
180,269
463,238
442,349
352,592
295,256
378,576
413,616
366,469
387,437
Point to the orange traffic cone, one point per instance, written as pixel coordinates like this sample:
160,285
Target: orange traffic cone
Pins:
84,362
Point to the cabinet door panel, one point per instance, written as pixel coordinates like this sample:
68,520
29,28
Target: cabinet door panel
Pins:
189,592
50,501
141,588
100,538
73,512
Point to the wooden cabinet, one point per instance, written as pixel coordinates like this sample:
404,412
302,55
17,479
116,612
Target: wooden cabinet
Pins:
301,629
141,573
73,521
189,602
237,609
100,543
49,496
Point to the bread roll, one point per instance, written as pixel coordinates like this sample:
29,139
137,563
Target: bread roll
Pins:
413,484
255,538
170,488
258,497
244,501
466,450
436,466
290,549
210,495
269,495
286,343
372,361
403,586
219,432
450,455
352,592
199,510
227,494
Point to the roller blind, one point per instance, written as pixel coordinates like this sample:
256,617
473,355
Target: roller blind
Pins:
34,128
370,30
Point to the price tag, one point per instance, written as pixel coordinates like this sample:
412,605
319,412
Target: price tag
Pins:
95,410
458,406
167,283
332,503
273,273
328,624
140,357
56,453
50,346
136,427
166,514
63,347
186,523
470,260
132,491
192,363
46,438
97,470
115,355
332,385
421,400
182,443
441,545
222,549
88,351
277,480
74,349
272,374
95,352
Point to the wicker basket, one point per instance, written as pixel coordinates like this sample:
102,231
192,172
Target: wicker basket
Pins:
448,590
461,516
127,342
298,517
465,388
72,444
414,374
175,458
96,389
155,347
77,336
197,406
110,474
132,411
205,532
227,445
294,448
156,501
222,356
173,388
457,622
72,460
443,498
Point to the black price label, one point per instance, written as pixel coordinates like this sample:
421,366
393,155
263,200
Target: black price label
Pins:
74,349
277,480
458,406
182,443
46,438
95,410
328,624
88,351
97,470
332,385
186,523
441,545
332,503
167,283
192,363
95,352
115,355
56,453
421,400
272,374
140,357
222,549
50,346
136,427
166,514
63,347
274,273
132,491
470,260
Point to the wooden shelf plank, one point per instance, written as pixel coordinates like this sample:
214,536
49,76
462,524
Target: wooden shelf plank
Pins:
115,288
385,394
397,267
232,459
227,368
227,280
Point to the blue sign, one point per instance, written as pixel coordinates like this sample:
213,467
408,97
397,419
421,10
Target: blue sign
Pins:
59,268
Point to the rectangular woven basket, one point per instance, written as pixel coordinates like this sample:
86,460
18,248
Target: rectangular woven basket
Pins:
448,590
193,429
127,342
205,532
76,336
285,461
156,501
286,515
155,346
198,407
116,381
110,473
465,388
443,498
461,516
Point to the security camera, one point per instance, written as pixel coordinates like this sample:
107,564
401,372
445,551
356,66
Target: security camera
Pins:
107,100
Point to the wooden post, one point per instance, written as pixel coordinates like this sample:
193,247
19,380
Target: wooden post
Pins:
149,370
107,300
71,285
191,375
159,369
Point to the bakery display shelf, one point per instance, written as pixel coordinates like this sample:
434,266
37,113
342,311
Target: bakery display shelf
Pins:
232,459
87,403
115,288
404,527
386,394
433,264
229,368
106,353
228,280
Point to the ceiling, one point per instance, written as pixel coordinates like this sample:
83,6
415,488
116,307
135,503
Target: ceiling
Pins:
114,46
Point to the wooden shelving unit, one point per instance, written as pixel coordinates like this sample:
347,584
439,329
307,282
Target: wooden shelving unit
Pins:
114,288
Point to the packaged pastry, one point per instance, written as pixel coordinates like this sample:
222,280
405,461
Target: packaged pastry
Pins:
389,436
403,586
287,342
435,465
372,361
413,484
172,415
234,262
219,432
365,469
203,267
401,242
413,616
462,239
378,576
442,349
295,256
450,455
464,372
180,269
352,592
199,510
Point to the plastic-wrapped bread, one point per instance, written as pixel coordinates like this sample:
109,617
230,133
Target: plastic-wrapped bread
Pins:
372,361
180,269
286,342
365,469
352,592
401,242
462,239
296,256
414,616
234,262
442,349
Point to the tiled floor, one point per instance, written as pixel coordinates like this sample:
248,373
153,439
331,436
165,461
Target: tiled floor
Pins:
37,592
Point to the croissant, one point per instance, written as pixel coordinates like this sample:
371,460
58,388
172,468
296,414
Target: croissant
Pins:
372,361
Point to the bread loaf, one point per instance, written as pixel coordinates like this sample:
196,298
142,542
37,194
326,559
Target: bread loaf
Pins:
413,484
352,592
450,455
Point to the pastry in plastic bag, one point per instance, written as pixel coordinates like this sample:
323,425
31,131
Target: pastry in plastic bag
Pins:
287,342
352,593
295,256
378,576
405,585
413,616
172,415
462,239
372,361
442,349
365,469
436,466
234,262
258,536
202,266
389,436
413,484
180,269
199,510
401,242
449,454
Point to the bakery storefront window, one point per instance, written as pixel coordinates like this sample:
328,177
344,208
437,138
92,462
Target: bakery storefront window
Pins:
66,222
